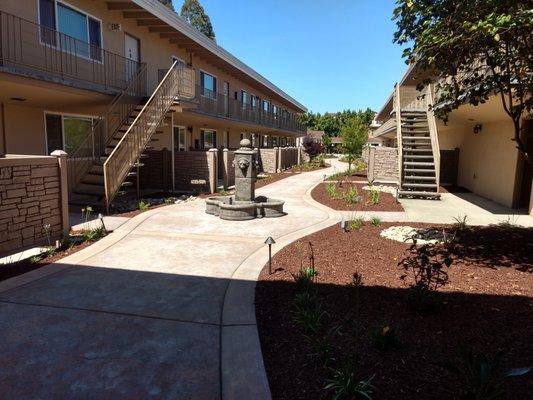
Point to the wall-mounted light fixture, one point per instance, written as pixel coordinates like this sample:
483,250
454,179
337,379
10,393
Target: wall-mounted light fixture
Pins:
477,128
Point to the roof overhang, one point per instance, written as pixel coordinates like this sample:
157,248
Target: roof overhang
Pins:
169,25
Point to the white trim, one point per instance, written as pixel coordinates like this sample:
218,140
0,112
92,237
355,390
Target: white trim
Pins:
185,137
163,13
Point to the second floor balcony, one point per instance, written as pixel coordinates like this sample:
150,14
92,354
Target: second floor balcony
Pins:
223,106
36,51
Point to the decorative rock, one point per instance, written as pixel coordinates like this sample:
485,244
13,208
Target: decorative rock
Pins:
382,188
405,234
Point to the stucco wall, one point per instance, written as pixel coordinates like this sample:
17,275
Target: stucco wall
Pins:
30,195
487,162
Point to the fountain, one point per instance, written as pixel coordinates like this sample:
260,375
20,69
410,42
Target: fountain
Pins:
244,205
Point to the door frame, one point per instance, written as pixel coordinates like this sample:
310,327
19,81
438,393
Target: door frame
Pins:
138,45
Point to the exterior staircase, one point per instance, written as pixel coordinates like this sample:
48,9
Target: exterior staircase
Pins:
109,158
419,178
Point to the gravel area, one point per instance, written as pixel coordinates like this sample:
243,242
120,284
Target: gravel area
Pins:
406,234
487,306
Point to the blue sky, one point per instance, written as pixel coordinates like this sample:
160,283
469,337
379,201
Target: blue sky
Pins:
328,54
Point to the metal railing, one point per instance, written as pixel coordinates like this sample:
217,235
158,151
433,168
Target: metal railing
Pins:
220,105
432,123
132,144
103,129
30,49
398,117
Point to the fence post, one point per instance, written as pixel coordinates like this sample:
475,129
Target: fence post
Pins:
63,174
225,168
280,161
212,162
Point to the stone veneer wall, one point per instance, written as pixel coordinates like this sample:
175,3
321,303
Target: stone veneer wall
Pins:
30,192
382,163
192,170
268,160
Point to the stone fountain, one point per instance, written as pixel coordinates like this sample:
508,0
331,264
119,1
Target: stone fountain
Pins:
244,205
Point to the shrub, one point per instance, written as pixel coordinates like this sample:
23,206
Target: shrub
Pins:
333,191
427,265
94,234
376,221
143,205
460,223
480,376
312,147
352,195
356,223
385,337
345,384
374,196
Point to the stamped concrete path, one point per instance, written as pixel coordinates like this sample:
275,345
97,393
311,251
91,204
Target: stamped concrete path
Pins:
162,308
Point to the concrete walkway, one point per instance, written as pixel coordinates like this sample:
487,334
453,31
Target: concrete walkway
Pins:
161,308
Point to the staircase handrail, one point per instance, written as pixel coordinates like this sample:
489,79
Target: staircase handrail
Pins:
138,134
432,123
398,116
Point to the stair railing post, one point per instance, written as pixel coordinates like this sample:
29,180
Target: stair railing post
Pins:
398,112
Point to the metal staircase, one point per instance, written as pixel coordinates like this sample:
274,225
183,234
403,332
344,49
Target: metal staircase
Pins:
111,155
418,149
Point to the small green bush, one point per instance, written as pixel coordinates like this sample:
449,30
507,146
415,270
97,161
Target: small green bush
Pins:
376,221
94,234
355,224
143,205
345,384
374,196
352,195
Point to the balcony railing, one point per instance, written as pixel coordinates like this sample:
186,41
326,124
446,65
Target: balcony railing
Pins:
34,50
223,106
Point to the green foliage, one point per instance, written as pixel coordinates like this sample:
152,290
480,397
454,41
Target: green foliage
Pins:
376,221
167,3
510,223
42,255
354,135
480,376
195,15
352,195
356,223
169,200
460,224
333,191
86,213
472,51
427,264
94,234
385,337
346,384
143,205
374,196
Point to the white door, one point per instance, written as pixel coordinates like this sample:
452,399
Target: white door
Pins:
132,52
226,99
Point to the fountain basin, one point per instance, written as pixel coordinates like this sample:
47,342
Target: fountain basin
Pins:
227,208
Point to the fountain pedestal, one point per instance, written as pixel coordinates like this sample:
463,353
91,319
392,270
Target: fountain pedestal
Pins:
244,205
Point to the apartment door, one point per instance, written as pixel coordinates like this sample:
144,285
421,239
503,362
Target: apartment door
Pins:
226,99
133,54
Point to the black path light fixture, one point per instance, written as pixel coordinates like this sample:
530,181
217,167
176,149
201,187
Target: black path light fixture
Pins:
270,241
343,224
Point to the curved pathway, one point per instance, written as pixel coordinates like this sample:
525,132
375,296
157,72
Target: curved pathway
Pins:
161,308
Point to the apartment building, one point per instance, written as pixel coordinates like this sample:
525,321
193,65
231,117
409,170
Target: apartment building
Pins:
130,91
473,149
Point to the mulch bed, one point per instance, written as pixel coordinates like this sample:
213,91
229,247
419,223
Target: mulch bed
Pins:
261,182
21,267
133,213
487,306
387,201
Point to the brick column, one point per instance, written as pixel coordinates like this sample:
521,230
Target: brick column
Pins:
62,162
212,162
225,168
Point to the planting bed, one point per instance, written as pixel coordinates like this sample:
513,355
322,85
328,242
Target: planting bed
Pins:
487,305
387,202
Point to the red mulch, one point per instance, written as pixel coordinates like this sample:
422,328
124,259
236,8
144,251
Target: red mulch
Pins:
21,267
133,213
261,182
487,306
387,201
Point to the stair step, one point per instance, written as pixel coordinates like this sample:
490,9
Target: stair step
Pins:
421,170
419,185
93,190
419,163
416,138
131,174
144,156
408,193
416,150
417,156
137,165
419,178
126,184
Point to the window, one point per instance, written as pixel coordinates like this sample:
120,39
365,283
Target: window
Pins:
266,106
244,98
81,34
275,141
254,101
209,139
265,141
66,132
209,85
179,138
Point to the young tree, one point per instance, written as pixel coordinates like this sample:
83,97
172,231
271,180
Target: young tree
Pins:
196,16
326,140
167,3
354,134
473,49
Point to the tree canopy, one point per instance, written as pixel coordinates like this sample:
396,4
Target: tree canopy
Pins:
331,123
167,3
473,49
196,16
354,135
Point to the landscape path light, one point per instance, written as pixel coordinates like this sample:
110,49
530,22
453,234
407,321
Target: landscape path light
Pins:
270,241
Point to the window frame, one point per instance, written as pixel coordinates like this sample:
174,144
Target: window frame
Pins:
177,146
214,92
63,115
57,32
202,138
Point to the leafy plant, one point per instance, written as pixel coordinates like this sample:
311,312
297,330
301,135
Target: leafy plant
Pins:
480,376
510,223
47,228
460,224
143,205
356,223
94,234
345,384
86,213
376,221
352,195
169,200
427,264
374,196
385,337
333,190
309,313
